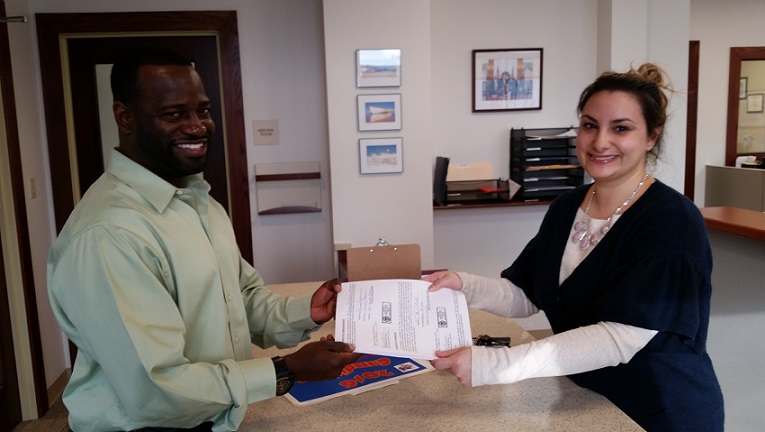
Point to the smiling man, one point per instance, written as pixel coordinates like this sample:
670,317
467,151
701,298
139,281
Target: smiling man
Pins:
147,280
166,125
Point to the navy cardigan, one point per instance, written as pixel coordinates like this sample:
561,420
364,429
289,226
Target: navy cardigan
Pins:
652,270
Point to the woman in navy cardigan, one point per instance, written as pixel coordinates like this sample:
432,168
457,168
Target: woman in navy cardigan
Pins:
622,269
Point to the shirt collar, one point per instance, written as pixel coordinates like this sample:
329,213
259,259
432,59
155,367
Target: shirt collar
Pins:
156,190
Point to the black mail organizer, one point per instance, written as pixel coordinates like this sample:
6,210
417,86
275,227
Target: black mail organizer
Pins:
544,162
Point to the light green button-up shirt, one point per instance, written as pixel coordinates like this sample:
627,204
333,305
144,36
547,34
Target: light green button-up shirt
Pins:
147,280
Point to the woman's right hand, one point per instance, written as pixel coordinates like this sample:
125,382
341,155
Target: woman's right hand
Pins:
443,279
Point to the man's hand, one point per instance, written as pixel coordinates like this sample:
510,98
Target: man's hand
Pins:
324,301
322,360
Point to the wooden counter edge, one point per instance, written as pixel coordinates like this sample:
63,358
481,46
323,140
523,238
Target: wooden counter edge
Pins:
733,220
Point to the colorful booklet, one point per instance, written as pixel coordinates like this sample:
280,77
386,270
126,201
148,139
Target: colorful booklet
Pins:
368,373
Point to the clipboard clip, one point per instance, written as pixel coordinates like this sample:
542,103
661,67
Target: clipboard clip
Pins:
381,242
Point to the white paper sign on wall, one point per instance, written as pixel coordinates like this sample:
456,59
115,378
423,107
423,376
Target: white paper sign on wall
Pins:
266,132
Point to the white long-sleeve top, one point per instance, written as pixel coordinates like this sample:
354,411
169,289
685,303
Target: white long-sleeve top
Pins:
579,350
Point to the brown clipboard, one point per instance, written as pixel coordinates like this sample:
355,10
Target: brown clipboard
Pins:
384,262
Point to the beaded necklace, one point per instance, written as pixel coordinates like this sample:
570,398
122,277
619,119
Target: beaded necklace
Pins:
582,227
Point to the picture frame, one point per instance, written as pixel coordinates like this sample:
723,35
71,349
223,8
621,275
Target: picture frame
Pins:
381,155
379,112
507,79
754,103
378,68
742,88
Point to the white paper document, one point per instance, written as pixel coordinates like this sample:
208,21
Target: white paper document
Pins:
401,318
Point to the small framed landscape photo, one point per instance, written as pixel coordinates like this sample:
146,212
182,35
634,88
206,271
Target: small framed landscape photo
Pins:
378,68
507,79
379,112
381,155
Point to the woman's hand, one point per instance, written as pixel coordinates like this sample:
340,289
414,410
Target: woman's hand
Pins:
443,279
457,361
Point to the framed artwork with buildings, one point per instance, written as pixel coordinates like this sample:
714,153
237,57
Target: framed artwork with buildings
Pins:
379,112
381,155
507,79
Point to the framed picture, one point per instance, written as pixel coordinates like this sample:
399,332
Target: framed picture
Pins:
754,103
378,68
742,88
381,155
379,112
507,79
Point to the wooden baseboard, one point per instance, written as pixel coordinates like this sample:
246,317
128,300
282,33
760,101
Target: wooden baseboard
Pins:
57,388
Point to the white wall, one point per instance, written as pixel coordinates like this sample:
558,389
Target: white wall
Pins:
567,33
282,59
485,241
367,206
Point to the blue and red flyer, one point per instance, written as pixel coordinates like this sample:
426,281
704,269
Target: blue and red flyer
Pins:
369,372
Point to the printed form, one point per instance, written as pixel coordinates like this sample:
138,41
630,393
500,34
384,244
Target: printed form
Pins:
401,318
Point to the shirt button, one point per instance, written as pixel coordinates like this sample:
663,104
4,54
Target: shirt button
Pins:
228,297
236,339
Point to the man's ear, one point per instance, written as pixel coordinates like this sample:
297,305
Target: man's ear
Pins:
124,118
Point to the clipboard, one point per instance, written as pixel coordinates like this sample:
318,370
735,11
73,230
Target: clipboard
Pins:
384,262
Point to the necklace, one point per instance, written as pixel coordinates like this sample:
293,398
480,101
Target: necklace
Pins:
582,227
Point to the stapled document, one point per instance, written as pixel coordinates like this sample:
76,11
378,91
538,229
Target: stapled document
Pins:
400,317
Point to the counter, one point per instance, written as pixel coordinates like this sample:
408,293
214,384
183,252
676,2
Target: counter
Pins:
435,401
734,220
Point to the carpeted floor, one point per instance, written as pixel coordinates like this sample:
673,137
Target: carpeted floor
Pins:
55,420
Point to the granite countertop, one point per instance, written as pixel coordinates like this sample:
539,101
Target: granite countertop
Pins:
436,401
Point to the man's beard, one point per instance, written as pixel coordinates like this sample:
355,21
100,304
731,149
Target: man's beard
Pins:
162,160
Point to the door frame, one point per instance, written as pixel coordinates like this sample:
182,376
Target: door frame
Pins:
694,48
53,29
17,285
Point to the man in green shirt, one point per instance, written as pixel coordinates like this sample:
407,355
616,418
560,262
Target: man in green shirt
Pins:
147,280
